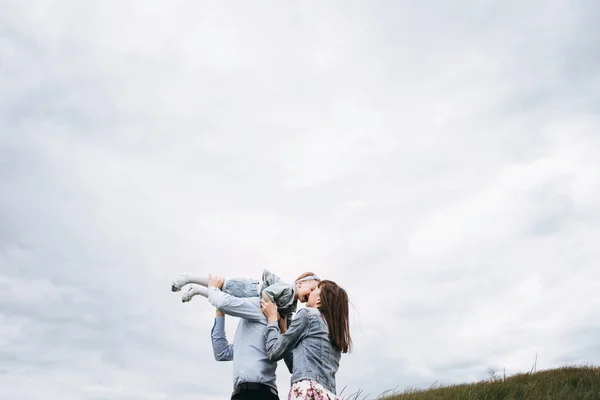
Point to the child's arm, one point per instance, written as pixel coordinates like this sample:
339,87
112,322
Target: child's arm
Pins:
222,350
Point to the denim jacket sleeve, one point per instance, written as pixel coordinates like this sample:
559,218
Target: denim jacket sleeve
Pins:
269,278
281,293
280,345
222,350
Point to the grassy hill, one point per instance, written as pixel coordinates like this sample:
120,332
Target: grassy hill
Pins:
569,383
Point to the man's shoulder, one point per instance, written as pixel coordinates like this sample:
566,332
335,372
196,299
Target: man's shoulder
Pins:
254,302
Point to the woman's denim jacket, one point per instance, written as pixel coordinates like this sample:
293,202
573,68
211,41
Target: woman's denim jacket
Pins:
306,348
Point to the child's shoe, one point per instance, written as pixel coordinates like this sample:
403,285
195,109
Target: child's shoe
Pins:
180,282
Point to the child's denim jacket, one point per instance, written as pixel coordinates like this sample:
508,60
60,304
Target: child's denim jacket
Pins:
281,293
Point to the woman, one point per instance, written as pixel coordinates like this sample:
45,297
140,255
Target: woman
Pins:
314,342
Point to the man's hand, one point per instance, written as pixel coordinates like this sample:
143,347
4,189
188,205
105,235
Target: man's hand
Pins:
269,308
218,313
215,281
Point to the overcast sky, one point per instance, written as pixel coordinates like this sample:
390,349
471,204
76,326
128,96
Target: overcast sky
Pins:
441,162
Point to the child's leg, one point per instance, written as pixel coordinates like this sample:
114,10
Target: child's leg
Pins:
193,291
185,278
241,287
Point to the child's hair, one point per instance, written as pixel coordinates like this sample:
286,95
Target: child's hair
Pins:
334,308
306,275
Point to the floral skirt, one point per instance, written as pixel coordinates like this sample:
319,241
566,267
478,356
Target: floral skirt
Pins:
310,390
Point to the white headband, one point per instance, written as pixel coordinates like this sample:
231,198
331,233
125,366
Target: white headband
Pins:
307,278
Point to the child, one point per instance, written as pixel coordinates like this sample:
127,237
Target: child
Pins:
283,294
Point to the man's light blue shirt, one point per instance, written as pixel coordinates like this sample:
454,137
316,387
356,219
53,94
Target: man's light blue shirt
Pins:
251,362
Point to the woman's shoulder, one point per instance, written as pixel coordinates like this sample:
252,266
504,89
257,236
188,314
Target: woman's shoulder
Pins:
308,312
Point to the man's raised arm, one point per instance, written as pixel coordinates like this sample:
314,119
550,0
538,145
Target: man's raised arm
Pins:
246,308
222,350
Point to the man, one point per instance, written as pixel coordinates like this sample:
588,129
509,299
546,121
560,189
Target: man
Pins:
253,372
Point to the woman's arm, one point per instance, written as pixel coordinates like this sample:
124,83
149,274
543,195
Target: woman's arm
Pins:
281,345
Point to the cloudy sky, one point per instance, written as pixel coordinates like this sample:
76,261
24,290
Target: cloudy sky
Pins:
440,161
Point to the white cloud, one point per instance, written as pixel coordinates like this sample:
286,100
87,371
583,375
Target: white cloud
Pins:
441,164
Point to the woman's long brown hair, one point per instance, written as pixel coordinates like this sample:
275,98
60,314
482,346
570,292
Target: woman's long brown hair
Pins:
334,308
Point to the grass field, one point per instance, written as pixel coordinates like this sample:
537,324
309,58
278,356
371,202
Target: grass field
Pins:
568,383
